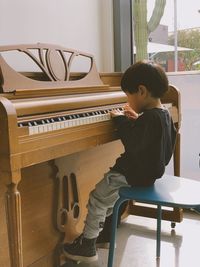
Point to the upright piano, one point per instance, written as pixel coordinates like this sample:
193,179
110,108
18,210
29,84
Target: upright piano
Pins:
56,141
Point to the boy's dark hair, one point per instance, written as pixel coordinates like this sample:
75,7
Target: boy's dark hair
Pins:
151,75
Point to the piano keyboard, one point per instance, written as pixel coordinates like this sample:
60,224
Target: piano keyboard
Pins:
67,121
44,125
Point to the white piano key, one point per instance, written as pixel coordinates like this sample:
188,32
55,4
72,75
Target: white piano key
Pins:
80,121
54,127
49,127
57,125
45,129
88,120
95,118
62,125
74,122
102,117
84,120
40,128
36,129
70,123
66,124
30,130
108,116
33,130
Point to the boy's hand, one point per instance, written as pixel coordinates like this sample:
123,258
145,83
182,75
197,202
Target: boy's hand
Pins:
116,113
130,113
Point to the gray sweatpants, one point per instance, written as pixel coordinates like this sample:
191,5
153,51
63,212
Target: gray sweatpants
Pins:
101,202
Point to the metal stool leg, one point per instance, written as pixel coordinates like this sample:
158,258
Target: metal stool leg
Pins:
159,218
113,231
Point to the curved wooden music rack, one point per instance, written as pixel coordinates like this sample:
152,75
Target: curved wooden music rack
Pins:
55,63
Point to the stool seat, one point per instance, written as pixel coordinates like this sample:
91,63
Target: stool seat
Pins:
171,191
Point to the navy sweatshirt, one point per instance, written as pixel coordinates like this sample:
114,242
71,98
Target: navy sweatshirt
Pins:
148,142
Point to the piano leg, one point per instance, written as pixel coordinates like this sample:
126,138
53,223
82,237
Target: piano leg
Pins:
14,222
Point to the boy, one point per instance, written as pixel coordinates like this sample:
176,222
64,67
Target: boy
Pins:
148,135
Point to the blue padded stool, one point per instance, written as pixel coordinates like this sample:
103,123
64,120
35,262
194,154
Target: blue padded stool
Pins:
170,191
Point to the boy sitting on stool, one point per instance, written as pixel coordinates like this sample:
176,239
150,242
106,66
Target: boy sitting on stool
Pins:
148,135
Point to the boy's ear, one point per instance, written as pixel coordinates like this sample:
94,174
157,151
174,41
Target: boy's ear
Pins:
142,90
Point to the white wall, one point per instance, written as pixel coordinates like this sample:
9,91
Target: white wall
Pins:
84,25
189,86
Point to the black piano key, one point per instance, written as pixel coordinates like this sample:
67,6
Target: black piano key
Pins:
67,118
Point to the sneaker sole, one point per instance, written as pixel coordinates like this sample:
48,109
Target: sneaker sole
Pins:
80,258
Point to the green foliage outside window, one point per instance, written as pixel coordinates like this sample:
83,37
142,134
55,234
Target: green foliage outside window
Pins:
189,38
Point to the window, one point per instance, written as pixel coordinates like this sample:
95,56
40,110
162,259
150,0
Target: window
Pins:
175,43
176,40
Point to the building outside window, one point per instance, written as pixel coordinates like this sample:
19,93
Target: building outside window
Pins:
175,43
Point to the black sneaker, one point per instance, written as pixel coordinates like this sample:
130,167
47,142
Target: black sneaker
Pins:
82,249
103,241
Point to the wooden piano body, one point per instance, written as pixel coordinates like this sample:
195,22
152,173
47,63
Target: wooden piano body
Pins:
56,142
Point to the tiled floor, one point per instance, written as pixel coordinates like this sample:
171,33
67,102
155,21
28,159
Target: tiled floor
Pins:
136,244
